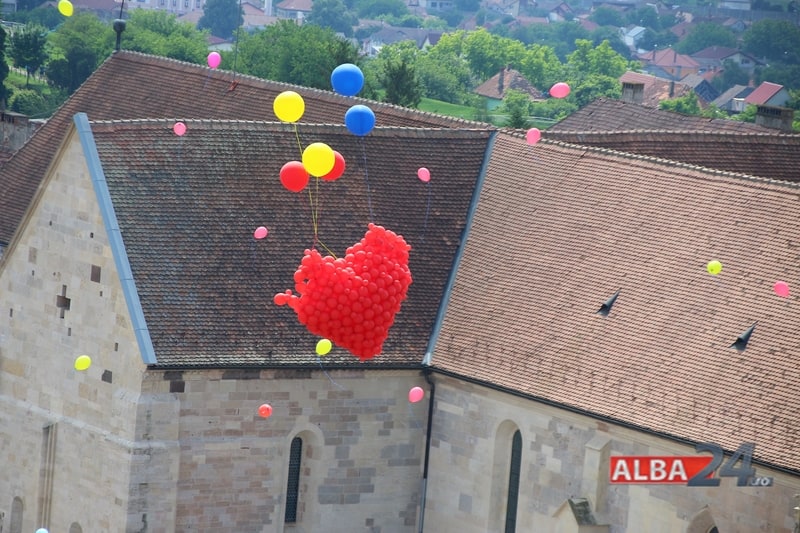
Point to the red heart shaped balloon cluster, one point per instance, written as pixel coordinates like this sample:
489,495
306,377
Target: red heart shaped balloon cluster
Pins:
353,300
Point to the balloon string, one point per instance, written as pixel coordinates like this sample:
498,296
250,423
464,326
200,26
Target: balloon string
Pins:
427,213
328,375
366,178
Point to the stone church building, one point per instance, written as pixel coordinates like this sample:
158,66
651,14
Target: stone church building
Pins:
561,318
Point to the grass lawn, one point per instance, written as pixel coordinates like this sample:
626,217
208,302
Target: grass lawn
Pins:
446,108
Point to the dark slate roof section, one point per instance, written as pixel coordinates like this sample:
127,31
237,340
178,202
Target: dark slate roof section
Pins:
130,85
769,155
187,207
607,115
561,228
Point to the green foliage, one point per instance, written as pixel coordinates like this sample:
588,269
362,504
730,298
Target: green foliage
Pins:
486,54
732,74
333,14
591,87
611,35
588,59
774,40
687,104
375,8
784,74
517,106
401,83
27,102
554,108
221,17
159,33
444,78
652,40
541,66
79,45
27,48
644,16
606,16
748,115
47,16
4,92
304,55
704,35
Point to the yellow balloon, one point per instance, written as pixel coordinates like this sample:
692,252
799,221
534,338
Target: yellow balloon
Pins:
323,346
318,159
65,8
83,362
714,267
289,106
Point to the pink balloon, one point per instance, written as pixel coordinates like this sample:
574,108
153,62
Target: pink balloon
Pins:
424,174
260,232
415,394
179,128
214,59
559,90
781,289
533,136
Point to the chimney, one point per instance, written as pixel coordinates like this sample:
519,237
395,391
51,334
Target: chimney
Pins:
672,88
779,118
633,93
501,82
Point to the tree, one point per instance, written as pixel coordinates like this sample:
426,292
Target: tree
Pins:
606,16
27,49
686,104
3,69
487,53
27,101
704,35
371,9
516,105
401,83
221,17
588,59
305,55
334,15
79,45
594,86
773,40
732,74
159,33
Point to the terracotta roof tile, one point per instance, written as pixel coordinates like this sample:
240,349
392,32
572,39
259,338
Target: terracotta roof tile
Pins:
511,79
769,155
608,115
131,85
656,89
187,208
559,228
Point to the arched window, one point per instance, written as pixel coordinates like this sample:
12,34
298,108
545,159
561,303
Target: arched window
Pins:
293,481
16,516
513,482
75,528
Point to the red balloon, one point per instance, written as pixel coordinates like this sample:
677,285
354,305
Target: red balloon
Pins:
265,410
338,168
359,317
294,176
559,90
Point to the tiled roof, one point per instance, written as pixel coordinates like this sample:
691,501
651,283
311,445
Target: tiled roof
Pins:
608,115
763,93
769,155
668,58
295,5
560,228
130,85
656,89
187,208
715,52
512,79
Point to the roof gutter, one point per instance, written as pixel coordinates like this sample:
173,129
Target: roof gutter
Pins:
602,418
473,206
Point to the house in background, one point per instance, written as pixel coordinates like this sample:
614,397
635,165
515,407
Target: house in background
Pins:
494,89
706,93
422,37
769,94
631,35
732,100
713,57
293,9
650,90
668,63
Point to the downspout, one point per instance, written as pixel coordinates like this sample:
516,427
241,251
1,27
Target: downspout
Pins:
437,326
431,397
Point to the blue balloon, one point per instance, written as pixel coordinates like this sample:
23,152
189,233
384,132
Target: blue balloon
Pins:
359,119
347,79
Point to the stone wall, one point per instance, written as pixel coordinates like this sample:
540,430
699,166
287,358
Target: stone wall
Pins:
61,298
361,457
566,455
